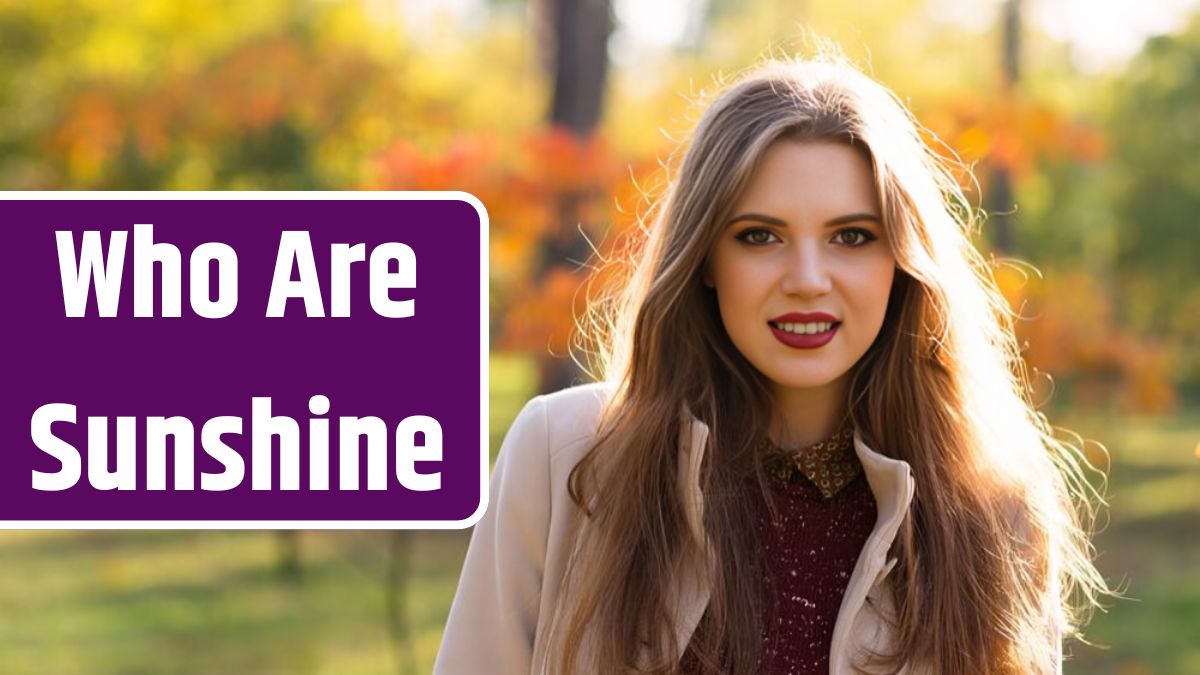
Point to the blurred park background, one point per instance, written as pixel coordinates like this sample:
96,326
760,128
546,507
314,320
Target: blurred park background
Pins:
1081,121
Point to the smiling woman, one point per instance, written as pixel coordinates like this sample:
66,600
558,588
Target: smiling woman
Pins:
814,449
806,257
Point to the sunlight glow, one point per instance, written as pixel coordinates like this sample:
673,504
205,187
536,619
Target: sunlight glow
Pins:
657,24
1105,34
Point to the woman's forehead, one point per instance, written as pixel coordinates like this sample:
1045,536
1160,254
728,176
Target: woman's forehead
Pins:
811,177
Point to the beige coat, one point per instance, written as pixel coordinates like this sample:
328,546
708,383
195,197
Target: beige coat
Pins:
517,557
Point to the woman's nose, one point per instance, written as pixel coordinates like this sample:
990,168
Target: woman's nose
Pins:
807,272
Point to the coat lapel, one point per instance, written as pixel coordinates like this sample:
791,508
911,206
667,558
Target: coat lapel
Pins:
892,485
691,589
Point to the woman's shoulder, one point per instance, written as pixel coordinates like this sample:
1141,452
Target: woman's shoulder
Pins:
581,398
570,416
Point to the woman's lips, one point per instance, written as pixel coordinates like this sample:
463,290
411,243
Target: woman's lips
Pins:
806,341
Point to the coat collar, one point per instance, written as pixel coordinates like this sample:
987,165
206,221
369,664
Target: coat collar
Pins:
891,483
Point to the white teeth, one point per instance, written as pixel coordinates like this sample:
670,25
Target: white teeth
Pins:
804,328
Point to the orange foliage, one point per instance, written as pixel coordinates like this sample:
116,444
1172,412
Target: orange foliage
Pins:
90,132
542,316
1013,133
522,182
253,87
1068,330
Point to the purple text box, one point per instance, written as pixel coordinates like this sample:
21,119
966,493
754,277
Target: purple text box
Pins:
431,364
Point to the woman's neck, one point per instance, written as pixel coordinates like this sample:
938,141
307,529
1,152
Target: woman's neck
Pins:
806,416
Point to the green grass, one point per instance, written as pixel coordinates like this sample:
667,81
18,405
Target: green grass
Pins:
513,380
209,602
1148,546
214,602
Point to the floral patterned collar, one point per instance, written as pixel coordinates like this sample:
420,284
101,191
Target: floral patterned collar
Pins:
830,464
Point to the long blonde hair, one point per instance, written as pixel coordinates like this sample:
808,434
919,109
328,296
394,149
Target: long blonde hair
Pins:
996,545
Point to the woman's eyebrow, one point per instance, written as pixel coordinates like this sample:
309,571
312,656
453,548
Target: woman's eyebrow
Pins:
779,222
769,220
854,218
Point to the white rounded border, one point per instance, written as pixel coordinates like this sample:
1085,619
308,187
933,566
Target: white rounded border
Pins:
328,195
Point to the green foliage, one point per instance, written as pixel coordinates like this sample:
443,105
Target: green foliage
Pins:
1155,141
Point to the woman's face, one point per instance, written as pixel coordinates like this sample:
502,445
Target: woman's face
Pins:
805,249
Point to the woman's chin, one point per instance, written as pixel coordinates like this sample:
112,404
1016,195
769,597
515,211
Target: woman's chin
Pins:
802,381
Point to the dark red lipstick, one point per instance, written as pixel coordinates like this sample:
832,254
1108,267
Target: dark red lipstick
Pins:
780,323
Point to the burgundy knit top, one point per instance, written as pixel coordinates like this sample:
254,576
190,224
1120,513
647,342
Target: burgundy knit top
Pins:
825,511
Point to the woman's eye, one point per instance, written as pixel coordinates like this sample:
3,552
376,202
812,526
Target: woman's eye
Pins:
756,237
854,237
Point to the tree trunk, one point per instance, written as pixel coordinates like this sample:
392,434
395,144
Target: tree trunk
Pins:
1001,197
574,38
396,599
